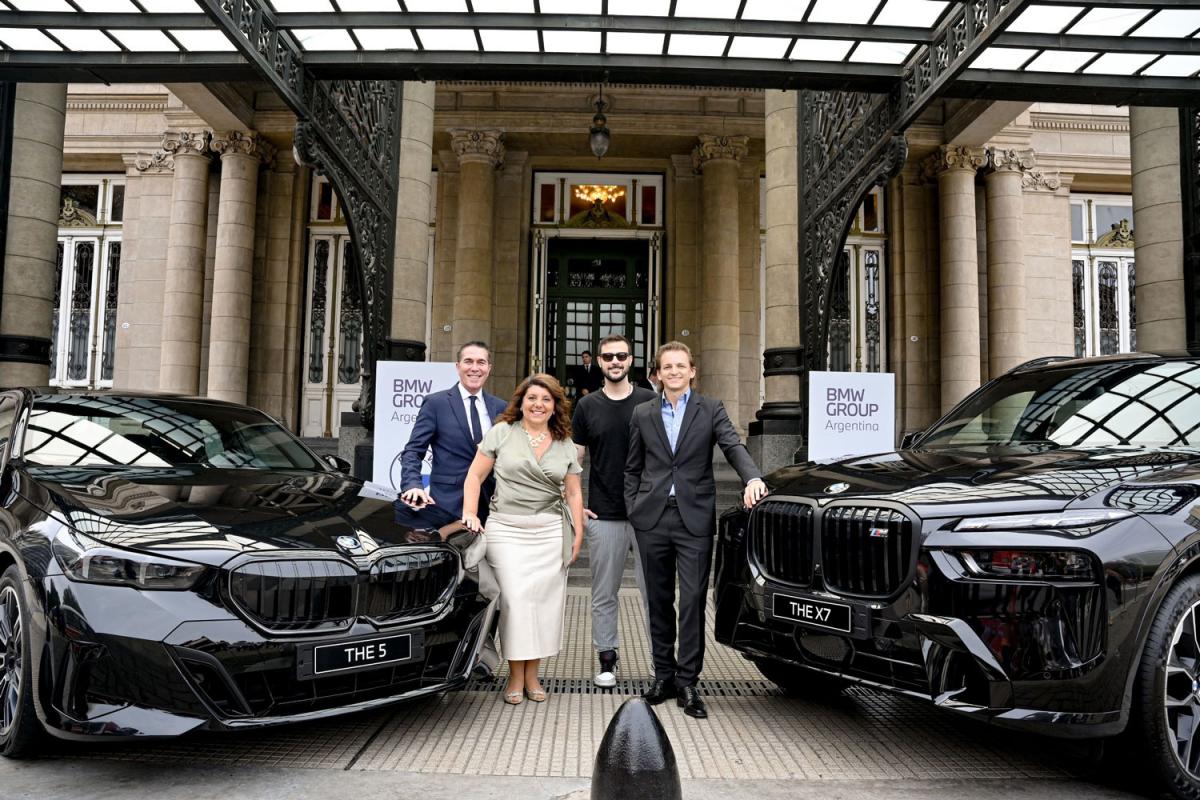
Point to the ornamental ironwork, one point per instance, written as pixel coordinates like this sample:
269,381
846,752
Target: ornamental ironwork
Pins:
349,131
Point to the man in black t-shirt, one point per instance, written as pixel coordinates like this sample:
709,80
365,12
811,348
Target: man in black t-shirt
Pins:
600,426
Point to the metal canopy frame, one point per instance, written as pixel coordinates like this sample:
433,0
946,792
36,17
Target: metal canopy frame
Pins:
866,70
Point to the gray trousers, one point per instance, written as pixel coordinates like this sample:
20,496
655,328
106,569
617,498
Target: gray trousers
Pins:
608,541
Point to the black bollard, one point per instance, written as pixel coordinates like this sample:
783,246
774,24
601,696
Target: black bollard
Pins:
635,760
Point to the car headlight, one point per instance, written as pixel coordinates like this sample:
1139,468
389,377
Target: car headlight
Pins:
1078,522
87,560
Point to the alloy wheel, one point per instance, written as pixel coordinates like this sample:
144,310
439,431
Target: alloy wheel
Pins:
10,658
1181,692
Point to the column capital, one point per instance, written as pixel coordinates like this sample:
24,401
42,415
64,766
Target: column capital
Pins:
1002,159
952,158
711,148
478,145
154,163
187,142
1038,181
242,143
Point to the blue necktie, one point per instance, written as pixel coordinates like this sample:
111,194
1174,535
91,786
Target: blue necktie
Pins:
476,425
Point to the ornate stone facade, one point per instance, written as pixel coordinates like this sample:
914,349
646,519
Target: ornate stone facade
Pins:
483,145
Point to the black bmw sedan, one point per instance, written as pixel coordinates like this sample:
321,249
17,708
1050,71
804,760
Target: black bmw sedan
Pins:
1033,560
176,564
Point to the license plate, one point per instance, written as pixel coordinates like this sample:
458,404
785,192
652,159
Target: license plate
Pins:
359,654
818,613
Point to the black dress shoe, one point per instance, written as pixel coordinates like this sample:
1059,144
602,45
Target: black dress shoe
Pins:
689,700
660,691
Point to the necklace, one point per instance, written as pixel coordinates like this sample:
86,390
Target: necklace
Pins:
534,441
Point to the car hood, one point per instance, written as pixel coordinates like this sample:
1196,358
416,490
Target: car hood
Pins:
212,515
945,481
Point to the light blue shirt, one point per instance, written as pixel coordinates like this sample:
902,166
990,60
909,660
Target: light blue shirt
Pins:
672,417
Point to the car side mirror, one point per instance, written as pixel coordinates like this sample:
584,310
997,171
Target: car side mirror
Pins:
909,439
338,463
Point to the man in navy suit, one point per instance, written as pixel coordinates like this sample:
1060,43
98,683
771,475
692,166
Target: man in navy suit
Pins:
452,422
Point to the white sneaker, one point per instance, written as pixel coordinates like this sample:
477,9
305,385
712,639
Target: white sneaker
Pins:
606,678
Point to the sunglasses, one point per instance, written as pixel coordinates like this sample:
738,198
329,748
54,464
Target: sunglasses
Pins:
606,357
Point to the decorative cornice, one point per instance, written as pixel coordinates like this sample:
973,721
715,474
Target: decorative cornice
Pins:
157,162
949,158
1011,160
187,142
712,148
1038,181
242,143
474,144
117,104
1086,123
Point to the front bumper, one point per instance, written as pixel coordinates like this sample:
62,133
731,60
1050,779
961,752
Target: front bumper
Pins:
1029,656
117,662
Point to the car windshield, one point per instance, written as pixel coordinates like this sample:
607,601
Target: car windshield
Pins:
1142,403
109,431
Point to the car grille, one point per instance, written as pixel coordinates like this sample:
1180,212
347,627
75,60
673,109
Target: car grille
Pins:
781,541
316,595
865,550
291,595
409,583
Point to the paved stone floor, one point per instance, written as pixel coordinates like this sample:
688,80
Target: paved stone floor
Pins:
754,737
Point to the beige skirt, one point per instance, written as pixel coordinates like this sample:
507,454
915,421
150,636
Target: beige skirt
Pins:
525,552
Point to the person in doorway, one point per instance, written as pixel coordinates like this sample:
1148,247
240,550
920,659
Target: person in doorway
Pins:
601,427
588,377
452,421
671,496
535,528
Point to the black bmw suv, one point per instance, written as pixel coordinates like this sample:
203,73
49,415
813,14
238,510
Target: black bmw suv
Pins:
1033,560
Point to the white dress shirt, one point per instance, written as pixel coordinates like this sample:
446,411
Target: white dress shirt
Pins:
485,419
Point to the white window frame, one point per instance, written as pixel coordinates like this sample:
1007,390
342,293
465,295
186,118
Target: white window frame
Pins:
102,235
1085,250
633,183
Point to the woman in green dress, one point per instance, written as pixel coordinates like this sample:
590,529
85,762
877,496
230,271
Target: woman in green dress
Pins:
535,524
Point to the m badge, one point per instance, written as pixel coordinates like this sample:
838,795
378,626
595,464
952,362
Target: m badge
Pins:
879,533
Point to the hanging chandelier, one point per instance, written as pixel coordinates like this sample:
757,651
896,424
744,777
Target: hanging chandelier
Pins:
598,135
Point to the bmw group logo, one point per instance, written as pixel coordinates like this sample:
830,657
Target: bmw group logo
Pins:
836,488
348,543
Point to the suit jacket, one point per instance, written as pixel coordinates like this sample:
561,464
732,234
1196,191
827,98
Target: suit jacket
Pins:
651,467
442,424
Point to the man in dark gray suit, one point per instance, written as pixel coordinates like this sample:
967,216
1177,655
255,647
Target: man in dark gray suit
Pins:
671,498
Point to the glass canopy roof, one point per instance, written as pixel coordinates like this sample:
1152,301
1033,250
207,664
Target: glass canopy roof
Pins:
737,42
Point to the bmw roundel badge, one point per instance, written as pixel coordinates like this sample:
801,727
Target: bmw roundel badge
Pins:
348,543
836,488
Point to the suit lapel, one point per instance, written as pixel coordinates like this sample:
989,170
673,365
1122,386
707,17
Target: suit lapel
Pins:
656,421
689,414
456,408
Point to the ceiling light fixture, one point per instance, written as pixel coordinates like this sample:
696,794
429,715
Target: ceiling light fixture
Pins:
598,135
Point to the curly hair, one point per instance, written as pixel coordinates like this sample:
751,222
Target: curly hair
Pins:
560,420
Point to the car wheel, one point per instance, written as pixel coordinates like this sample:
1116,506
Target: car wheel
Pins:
1166,713
20,730
800,681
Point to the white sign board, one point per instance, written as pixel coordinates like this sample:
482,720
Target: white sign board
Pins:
850,414
400,389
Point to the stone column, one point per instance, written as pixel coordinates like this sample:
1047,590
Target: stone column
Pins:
27,311
229,340
716,158
1007,340
1157,228
479,153
410,275
777,434
183,290
955,168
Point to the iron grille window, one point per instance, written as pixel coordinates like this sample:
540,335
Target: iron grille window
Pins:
856,307
87,277
1103,275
